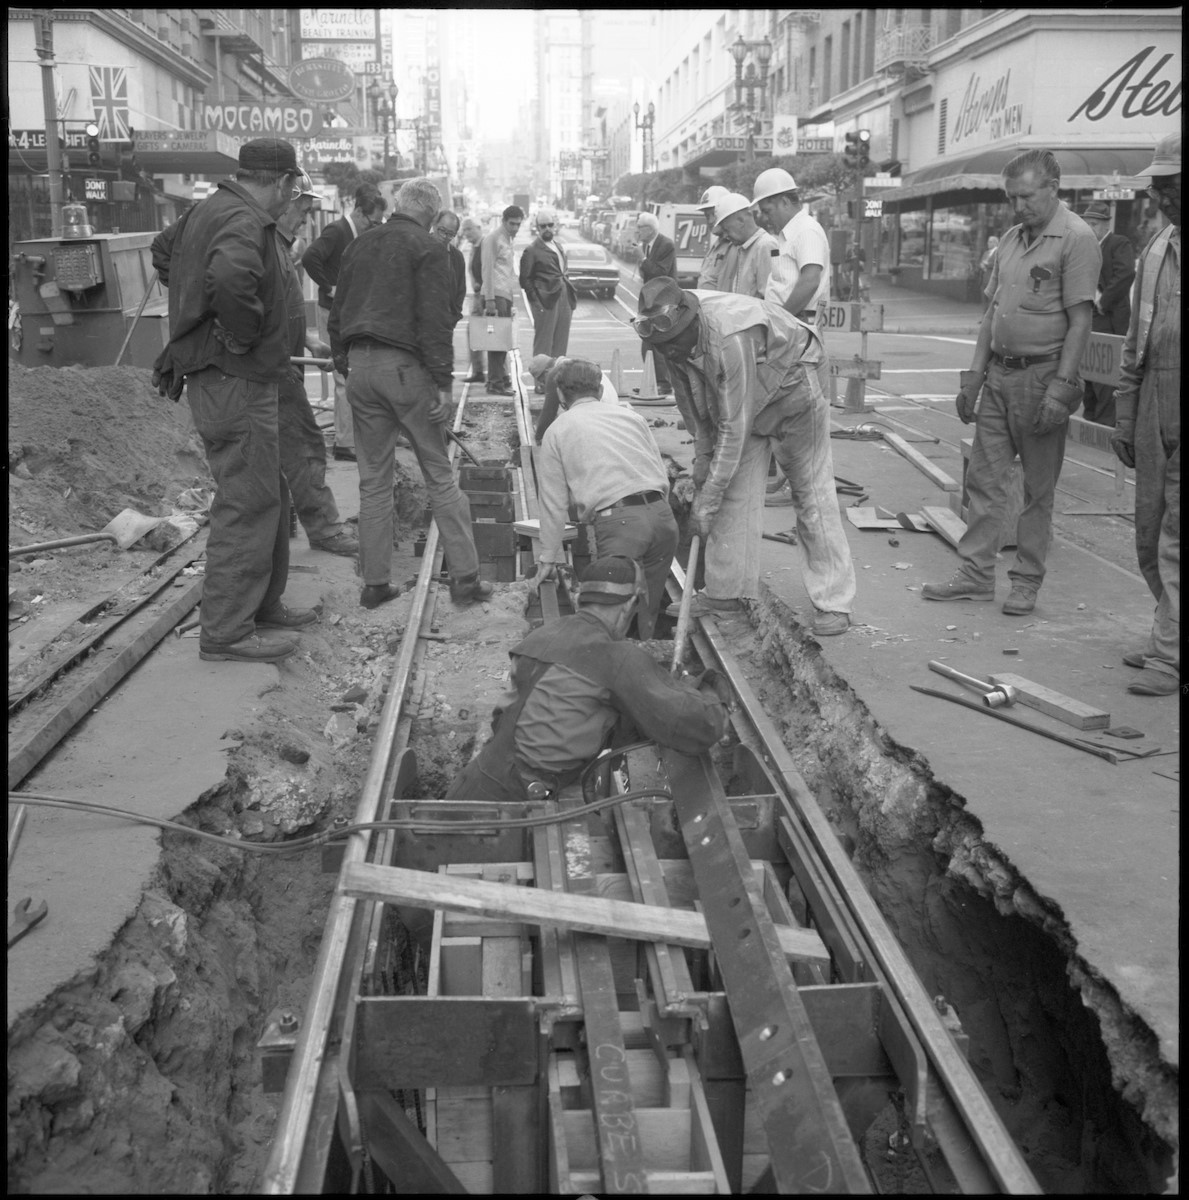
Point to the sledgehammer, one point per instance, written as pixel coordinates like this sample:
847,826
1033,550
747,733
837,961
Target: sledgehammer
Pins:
995,695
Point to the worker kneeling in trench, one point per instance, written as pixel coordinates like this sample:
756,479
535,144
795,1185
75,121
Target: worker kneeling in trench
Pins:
578,687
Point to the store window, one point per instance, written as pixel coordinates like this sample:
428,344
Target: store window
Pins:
912,237
953,251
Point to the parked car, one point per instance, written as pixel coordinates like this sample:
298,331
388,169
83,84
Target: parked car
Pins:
623,235
592,269
602,227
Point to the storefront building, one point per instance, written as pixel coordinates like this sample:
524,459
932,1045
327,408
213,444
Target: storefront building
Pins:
1097,88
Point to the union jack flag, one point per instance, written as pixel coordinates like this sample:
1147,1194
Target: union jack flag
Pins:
109,97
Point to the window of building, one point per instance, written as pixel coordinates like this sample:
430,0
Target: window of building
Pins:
858,52
827,62
869,48
812,69
844,58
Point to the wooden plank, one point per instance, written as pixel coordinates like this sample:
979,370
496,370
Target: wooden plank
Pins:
865,518
587,914
516,1147
705,1154
660,1183
664,1134
1046,700
464,1129
398,1149
462,966
950,526
919,461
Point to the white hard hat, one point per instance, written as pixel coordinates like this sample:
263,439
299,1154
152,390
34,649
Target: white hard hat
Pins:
729,204
773,182
712,195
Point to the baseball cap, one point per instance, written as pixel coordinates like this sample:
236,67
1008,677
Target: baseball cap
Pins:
305,186
268,154
611,580
1167,158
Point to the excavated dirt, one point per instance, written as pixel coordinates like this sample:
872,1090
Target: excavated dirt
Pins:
141,1075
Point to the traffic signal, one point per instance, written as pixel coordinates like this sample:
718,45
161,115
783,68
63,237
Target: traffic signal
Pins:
94,150
864,147
858,148
129,164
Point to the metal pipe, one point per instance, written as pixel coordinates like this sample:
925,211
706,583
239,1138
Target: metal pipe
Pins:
43,24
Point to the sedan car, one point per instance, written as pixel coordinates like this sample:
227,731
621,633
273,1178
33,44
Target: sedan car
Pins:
592,269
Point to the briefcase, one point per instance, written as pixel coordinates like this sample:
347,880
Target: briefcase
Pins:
491,333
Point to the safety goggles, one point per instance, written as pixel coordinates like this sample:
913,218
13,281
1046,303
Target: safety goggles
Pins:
660,322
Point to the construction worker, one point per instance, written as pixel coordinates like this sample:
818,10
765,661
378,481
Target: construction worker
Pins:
1147,432
744,375
748,262
577,687
602,458
719,245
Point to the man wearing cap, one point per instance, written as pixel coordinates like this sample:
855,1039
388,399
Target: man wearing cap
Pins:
229,339
1112,303
551,295
1025,368
303,449
602,459
1148,427
321,262
577,687
658,256
393,327
719,245
748,262
745,378
498,280
544,372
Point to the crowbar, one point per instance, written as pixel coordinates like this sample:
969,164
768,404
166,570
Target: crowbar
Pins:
687,595
132,328
24,919
462,446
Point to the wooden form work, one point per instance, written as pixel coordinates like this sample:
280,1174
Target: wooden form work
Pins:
1064,708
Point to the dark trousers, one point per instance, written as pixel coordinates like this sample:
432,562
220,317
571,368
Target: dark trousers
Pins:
647,533
478,363
497,360
247,551
303,461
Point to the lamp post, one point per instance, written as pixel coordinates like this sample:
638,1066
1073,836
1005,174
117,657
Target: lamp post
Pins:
383,105
751,81
644,124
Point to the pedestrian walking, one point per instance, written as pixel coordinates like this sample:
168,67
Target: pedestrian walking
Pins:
229,339
321,262
498,280
602,458
1112,301
1147,432
745,379
658,257
392,326
1025,368
748,262
302,446
550,294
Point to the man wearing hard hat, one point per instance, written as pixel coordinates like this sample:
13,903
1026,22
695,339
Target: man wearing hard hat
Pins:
1148,426
748,262
719,245
799,281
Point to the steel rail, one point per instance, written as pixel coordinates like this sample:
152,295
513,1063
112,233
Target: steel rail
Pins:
301,1092
980,1120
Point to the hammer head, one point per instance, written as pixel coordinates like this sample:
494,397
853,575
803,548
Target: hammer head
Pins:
1002,695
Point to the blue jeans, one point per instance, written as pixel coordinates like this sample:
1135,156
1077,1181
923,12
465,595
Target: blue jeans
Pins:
390,393
1006,412
247,551
497,360
647,533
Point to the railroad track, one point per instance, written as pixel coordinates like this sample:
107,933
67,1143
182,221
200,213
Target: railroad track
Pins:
686,990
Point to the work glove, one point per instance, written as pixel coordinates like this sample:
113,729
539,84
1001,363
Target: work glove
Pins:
970,385
443,410
166,379
1060,399
702,515
1123,442
701,470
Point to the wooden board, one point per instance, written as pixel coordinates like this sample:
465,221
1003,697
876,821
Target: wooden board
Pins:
589,914
1064,708
950,526
919,461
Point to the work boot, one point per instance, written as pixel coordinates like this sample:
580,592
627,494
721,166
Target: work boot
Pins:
344,453
470,588
253,648
283,617
1134,658
340,543
780,498
827,624
707,606
959,588
1020,603
499,389
1150,682
476,377
375,594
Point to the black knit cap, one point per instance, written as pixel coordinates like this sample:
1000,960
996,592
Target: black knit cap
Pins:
268,154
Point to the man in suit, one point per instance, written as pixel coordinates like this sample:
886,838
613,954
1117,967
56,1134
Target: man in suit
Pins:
1112,305
658,256
321,261
551,295
445,226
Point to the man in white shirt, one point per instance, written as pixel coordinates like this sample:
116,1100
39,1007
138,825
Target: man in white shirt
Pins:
602,458
499,279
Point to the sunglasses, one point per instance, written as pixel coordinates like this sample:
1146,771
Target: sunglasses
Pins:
661,322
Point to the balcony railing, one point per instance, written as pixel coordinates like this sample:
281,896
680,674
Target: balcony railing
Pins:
903,46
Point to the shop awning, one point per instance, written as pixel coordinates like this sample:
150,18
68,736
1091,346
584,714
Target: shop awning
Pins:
1082,168
158,151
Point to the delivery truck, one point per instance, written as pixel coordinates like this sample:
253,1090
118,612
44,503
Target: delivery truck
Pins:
687,226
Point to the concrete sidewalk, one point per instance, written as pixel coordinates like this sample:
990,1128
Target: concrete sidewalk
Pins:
909,311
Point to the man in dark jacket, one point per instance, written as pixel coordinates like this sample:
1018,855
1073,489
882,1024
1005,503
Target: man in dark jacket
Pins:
321,262
1112,305
658,256
392,326
445,226
578,686
551,296
228,325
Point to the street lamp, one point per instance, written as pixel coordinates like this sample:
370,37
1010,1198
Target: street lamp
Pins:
751,81
645,124
383,104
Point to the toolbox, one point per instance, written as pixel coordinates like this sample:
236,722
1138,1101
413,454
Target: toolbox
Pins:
491,333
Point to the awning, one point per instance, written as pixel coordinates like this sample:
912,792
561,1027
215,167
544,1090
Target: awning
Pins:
158,151
1082,168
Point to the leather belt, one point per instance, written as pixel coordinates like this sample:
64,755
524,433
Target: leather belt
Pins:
1018,364
634,498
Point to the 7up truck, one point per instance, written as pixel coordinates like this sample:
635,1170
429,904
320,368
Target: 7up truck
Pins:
686,225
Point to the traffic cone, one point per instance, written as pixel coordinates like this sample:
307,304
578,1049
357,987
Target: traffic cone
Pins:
648,392
616,373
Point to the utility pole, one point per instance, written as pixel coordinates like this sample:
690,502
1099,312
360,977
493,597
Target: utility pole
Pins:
43,26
